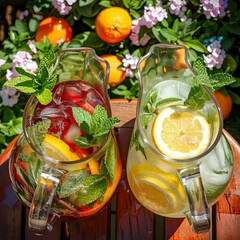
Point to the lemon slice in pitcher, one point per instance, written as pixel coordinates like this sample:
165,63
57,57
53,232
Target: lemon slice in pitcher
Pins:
180,132
58,149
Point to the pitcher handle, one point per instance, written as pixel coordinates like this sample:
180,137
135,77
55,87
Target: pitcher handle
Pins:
199,215
39,219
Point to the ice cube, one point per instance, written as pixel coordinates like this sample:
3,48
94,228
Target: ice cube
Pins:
72,93
57,95
51,112
94,98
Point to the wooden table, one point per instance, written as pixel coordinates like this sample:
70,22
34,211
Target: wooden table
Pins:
125,218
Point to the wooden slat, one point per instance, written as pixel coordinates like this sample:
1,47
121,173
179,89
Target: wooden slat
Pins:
10,208
96,227
133,220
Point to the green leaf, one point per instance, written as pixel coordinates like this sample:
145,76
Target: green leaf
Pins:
21,26
44,97
93,189
24,176
83,142
109,163
169,34
82,117
138,146
23,73
197,97
22,83
72,182
33,24
35,167
39,130
219,80
196,45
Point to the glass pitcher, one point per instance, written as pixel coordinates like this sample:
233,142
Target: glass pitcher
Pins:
50,172
179,162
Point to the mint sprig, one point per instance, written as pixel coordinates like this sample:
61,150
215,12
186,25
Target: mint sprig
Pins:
39,84
95,126
197,95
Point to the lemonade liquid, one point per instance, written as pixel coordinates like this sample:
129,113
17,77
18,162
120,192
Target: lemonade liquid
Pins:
154,181
27,166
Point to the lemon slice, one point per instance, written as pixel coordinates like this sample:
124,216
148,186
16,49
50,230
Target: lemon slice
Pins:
58,149
180,132
159,191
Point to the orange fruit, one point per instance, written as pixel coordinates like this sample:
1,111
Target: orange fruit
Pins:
116,75
180,59
113,24
225,103
55,29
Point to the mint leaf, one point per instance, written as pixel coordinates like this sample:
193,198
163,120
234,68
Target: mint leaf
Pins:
109,163
138,146
44,97
83,142
22,83
39,130
93,189
219,80
72,182
35,167
82,117
197,95
40,84
95,126
22,72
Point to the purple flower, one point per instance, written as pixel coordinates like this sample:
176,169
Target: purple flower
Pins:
63,7
216,56
176,5
23,14
20,59
32,46
24,60
152,15
213,8
129,63
9,96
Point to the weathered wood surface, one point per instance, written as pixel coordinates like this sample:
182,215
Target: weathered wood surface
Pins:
125,218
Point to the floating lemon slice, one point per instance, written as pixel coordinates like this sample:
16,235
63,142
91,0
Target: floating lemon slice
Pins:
180,132
58,149
159,191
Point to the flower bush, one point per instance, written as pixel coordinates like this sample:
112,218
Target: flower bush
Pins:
209,29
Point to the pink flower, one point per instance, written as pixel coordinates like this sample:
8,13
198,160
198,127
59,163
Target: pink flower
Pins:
23,59
216,56
9,96
129,63
152,15
63,7
175,6
213,8
32,46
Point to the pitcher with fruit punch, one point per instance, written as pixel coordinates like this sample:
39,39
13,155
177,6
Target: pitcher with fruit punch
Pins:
179,161
66,164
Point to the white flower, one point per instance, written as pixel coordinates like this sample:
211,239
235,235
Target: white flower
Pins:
9,96
2,61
